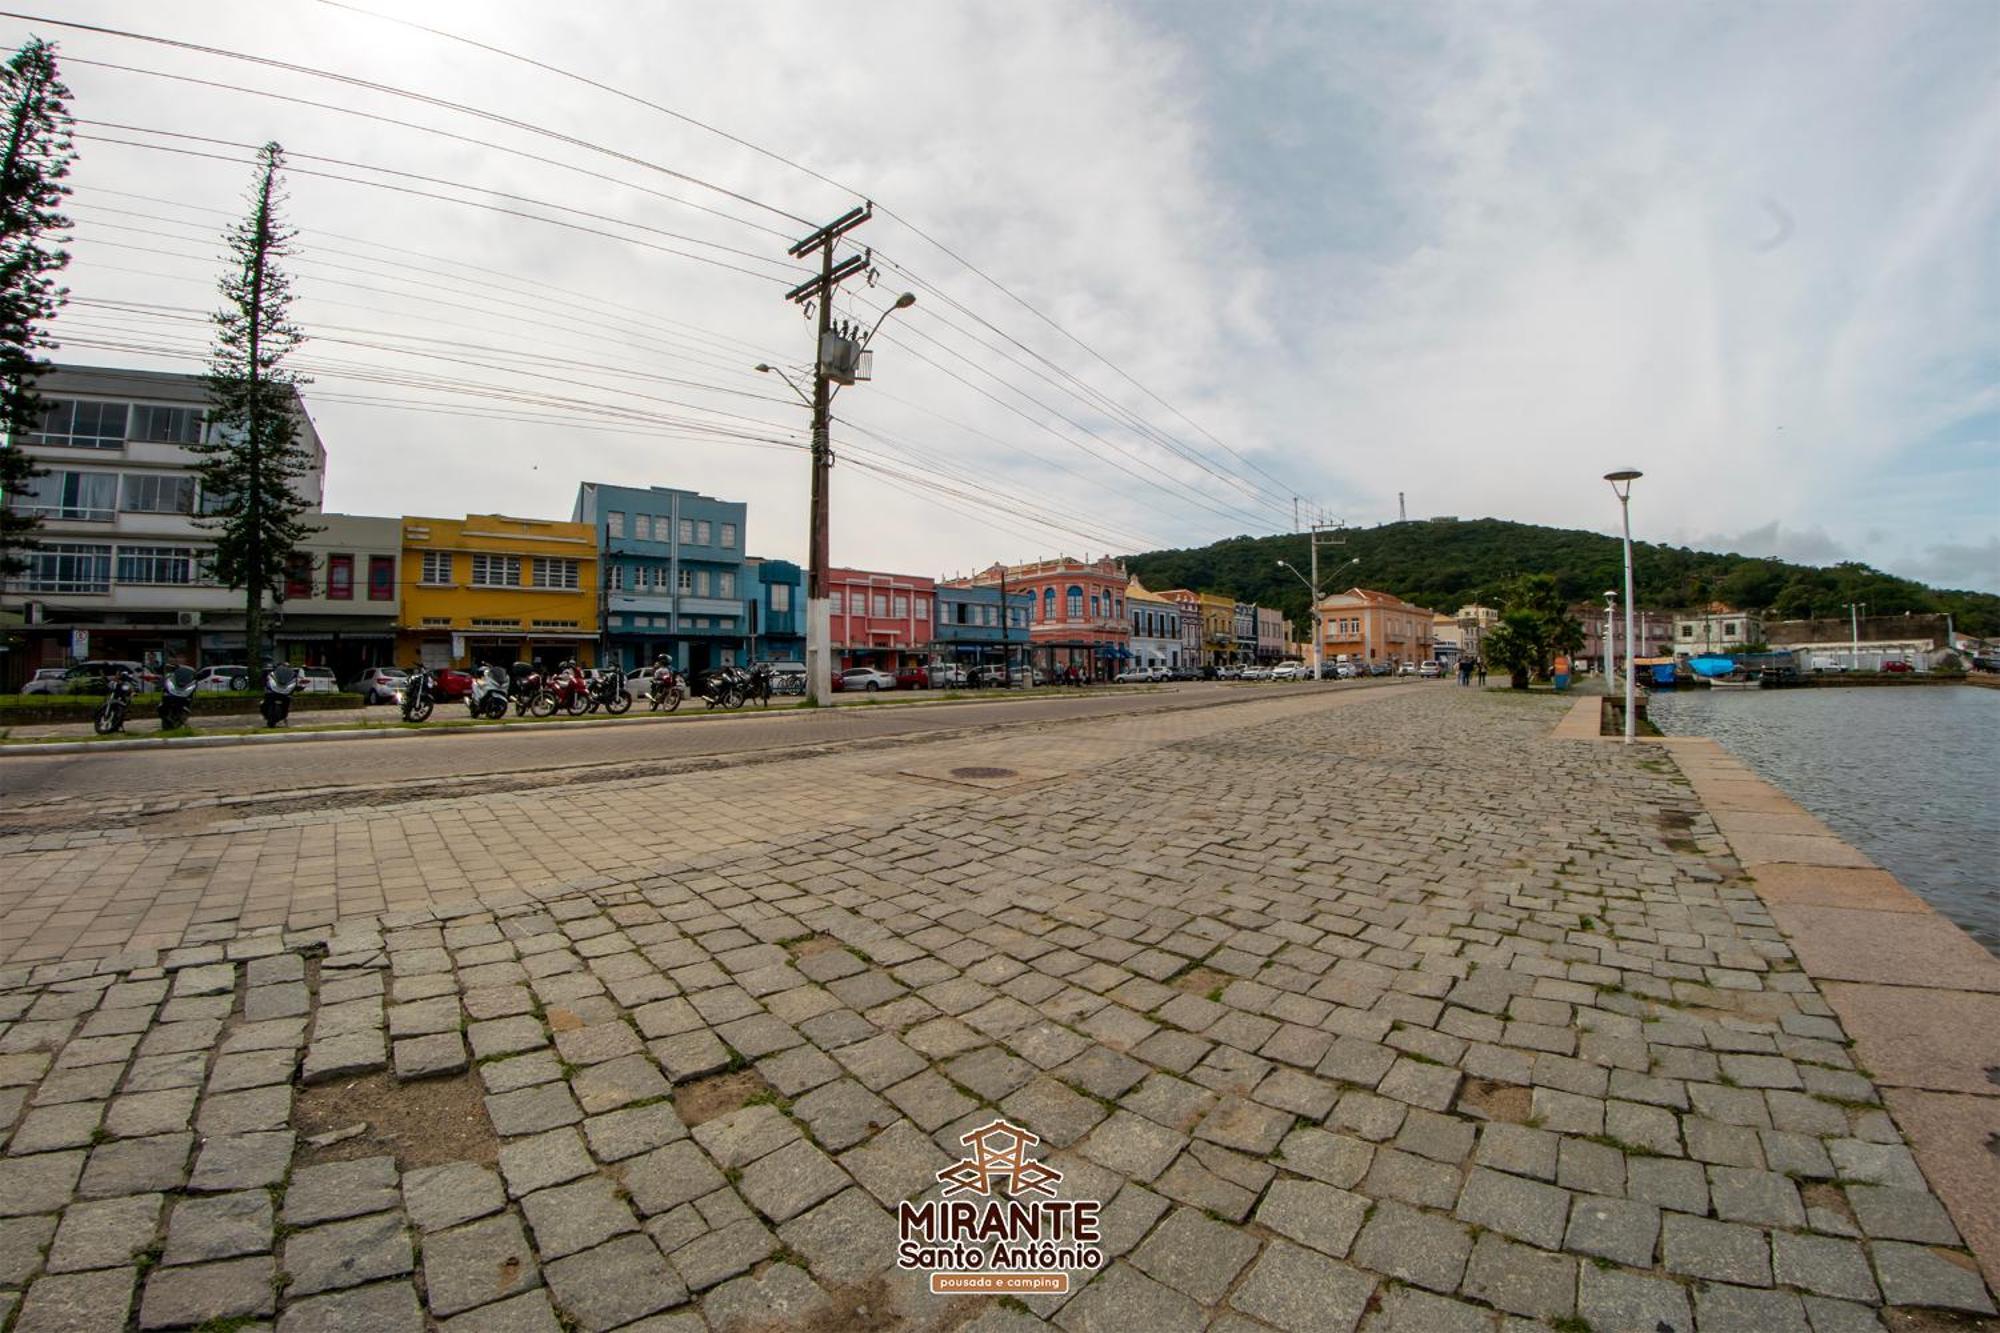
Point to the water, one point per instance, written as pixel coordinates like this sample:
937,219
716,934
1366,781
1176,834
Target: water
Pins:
1907,774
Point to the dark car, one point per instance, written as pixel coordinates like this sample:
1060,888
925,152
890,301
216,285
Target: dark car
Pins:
1894,665
913,678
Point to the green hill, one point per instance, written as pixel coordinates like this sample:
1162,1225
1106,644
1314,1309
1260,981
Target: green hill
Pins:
1445,564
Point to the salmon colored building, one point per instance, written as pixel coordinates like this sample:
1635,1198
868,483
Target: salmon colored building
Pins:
1374,626
1079,620
879,620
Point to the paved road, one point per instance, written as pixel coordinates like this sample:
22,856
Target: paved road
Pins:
31,780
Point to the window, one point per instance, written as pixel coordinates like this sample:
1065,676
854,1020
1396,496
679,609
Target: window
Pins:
617,577
1687,631
902,605
687,531
614,523
878,604
554,624
1048,604
729,536
298,575
86,496
685,582
555,572
1075,604
73,425
381,578
701,533
483,622
496,571
166,425
443,622
69,567
158,493
781,596
437,569
212,501
833,605
642,527
1729,630
725,584
155,564
701,583
340,578
923,608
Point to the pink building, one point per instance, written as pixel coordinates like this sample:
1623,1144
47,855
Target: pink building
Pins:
1655,631
1079,621
879,620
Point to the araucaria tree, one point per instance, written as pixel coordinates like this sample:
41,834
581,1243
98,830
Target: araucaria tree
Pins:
38,155
252,459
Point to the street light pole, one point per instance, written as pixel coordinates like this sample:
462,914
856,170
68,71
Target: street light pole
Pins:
1854,610
1621,485
1611,635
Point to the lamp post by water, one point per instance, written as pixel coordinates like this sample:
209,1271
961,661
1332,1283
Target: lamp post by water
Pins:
1611,635
1621,485
1854,610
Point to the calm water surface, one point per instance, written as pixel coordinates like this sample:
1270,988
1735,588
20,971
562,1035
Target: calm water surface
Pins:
1907,774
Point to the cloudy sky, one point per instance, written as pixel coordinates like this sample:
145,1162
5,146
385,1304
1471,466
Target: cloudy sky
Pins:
1176,263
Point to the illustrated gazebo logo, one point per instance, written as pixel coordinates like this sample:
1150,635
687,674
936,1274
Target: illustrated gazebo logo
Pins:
999,1152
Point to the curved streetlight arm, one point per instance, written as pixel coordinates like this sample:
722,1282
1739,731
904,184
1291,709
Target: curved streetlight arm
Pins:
804,397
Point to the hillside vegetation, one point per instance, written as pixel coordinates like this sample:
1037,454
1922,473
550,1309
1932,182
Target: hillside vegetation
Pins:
1444,565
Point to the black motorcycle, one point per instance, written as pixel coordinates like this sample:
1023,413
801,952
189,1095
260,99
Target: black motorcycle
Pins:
667,689
606,690
718,688
524,687
280,684
176,698
418,695
118,690
757,684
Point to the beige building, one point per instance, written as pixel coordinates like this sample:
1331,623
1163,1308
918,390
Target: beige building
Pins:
1372,626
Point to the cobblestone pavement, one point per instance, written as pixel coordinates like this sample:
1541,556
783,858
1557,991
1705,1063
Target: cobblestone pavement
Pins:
1389,1012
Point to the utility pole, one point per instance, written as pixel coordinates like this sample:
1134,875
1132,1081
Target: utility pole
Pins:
818,292
1330,539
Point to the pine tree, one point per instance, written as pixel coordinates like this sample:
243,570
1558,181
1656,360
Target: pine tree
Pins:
37,158
251,456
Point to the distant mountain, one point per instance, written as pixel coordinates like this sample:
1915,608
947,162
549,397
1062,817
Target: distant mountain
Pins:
1444,564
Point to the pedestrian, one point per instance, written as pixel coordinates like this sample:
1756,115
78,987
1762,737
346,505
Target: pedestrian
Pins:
1464,672
1479,665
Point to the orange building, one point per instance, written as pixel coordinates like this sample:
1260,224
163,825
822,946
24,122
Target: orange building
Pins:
1371,626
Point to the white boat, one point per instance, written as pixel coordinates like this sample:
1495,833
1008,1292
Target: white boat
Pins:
1732,684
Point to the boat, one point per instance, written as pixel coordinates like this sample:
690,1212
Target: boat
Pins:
1712,665
1729,683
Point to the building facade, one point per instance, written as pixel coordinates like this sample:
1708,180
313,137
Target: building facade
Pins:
1243,630
1653,629
489,589
1208,621
1866,643
1716,629
974,628
1079,620
1473,622
1156,628
122,569
343,596
777,611
674,581
1370,626
879,620
1272,635
1446,639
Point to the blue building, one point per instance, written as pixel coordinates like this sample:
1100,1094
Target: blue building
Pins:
673,580
968,629
778,613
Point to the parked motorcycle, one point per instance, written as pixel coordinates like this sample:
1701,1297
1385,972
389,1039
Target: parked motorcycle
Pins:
719,688
606,690
489,693
566,691
118,690
418,695
757,684
667,688
281,682
524,685
176,698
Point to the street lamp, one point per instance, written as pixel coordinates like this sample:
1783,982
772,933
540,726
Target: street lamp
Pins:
1313,587
1611,635
819,620
1854,610
1621,485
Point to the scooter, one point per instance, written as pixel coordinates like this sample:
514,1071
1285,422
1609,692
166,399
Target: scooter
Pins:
489,693
176,698
281,682
418,695
117,702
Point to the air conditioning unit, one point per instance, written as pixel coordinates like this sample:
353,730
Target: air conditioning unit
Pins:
188,619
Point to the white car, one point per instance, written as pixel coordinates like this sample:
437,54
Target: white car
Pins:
47,680
1429,670
1345,671
1291,671
866,678
1140,675
216,679
380,685
320,680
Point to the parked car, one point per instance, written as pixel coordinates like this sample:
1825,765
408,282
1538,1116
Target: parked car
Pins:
47,680
1381,669
1256,673
1345,670
913,678
1897,666
319,680
1407,669
216,679
90,676
1290,671
379,685
864,678
1429,670
1828,663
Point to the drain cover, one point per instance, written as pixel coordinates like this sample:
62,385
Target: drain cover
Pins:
977,772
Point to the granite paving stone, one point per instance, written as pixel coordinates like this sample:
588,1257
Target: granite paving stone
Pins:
473,1265
346,1254
209,1293
621,1281
442,1196
335,1190
78,1302
108,1233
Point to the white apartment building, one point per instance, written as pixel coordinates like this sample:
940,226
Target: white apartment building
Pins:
1717,629
120,572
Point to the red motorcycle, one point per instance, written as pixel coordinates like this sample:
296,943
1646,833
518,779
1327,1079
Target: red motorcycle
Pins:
566,690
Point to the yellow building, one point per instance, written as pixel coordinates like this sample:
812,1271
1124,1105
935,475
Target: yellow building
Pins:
488,588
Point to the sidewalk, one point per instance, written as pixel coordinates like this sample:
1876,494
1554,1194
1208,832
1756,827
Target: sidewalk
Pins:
1345,1013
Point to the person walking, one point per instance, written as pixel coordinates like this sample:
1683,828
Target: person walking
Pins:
1479,665
1464,672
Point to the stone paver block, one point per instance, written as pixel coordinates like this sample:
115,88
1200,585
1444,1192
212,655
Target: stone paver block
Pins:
1417,1247
668,1177
1720,1308
135,1166
845,1239
1822,1264
1721,1251
77,1302
1521,1280
107,1233
1126,1298
1049,1109
1611,1298
723,1254
574,1217
23,1242
242,1161
542,1160
1517,1207
335,1190
619,1082
1302,1292
344,1055
617,1283
1245,1126
41,1183
1315,1215
1919,1275
791,1180
743,1135
347,1254
223,1226
386,1307
436,1197
1617,1229
471,1265
532,1110
435,1056
1133,1146
529,1312
618,1135
236,1289
1194,1255
899,1163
